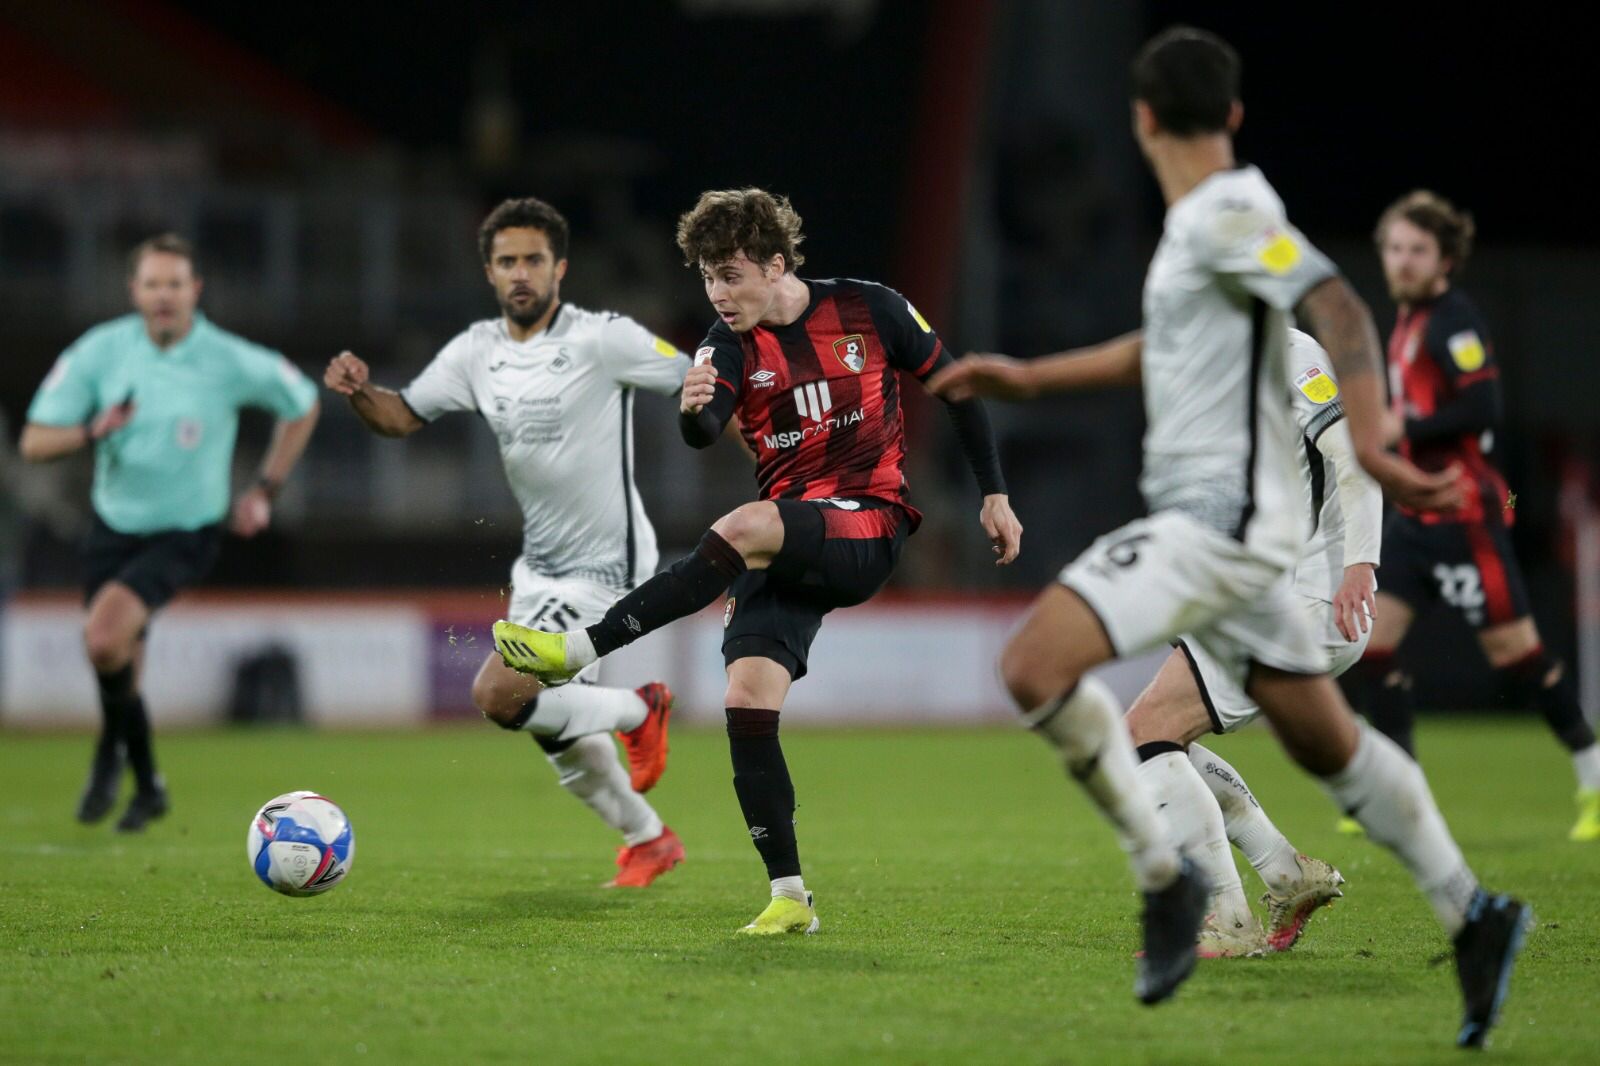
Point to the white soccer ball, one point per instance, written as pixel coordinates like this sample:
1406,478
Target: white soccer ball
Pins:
301,844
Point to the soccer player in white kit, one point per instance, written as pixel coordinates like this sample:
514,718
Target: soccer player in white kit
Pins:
1195,692
555,383
1211,561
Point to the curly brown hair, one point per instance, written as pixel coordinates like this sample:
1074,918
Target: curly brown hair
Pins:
1427,210
725,222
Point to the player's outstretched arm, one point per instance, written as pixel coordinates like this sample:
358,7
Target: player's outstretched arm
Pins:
383,410
1341,322
1107,365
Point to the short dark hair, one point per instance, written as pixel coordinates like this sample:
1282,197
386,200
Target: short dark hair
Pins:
167,243
725,222
1190,79
1427,210
528,212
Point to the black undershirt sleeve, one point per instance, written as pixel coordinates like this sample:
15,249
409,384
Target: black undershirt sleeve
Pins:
1472,410
971,422
703,429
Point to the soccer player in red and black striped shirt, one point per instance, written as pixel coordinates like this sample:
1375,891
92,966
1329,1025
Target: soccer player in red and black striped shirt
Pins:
812,370
1446,392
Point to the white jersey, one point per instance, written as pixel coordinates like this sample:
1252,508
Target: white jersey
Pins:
1328,478
561,405
1221,441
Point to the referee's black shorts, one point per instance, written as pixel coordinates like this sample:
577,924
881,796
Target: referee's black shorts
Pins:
836,553
154,565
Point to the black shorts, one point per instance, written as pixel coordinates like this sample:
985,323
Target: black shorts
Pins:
836,553
1467,565
154,565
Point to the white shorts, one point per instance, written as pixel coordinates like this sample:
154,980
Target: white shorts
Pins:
1167,575
559,605
1222,683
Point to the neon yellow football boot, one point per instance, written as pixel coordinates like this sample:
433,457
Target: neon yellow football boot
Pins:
1350,827
530,651
784,915
1586,829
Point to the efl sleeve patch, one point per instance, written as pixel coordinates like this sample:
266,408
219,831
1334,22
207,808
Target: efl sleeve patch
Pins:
1466,349
1317,385
921,322
664,348
1279,253
702,356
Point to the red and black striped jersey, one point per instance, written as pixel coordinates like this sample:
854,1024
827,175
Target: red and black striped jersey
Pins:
1445,382
818,399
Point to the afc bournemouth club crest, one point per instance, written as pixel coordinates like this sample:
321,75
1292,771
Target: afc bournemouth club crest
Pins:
852,352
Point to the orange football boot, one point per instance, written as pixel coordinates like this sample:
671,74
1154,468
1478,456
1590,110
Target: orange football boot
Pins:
639,865
647,745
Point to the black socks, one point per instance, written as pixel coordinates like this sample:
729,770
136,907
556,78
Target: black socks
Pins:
1557,700
682,589
125,719
1384,696
766,795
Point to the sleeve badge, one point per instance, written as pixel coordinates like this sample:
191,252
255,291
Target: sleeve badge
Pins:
1317,385
1466,350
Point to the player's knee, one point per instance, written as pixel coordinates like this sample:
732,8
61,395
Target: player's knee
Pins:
108,649
750,528
497,701
1031,676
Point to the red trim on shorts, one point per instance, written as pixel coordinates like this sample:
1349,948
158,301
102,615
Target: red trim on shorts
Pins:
859,525
1492,574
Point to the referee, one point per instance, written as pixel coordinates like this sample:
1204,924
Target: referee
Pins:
157,394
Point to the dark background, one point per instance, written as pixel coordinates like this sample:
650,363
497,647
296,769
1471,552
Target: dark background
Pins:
333,161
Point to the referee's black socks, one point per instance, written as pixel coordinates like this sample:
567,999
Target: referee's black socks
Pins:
682,589
766,795
125,719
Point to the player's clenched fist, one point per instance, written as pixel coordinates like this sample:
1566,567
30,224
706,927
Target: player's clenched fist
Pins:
698,388
346,374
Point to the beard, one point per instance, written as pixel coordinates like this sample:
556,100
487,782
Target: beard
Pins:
534,311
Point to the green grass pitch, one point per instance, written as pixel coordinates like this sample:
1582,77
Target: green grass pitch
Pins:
974,909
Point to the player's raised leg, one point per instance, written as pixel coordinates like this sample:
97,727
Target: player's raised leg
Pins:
1044,667
574,736
112,636
748,537
1374,782
1165,718
757,687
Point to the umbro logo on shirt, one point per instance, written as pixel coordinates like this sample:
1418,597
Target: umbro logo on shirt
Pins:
501,365
763,379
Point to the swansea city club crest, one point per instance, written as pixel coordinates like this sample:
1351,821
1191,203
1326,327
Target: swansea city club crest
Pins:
852,352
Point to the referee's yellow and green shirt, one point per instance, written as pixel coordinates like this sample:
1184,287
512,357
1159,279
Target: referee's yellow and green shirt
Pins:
170,467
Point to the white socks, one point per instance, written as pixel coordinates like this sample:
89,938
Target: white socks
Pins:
580,650
791,887
1385,791
577,710
1087,728
1197,828
592,770
1586,764
1246,824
